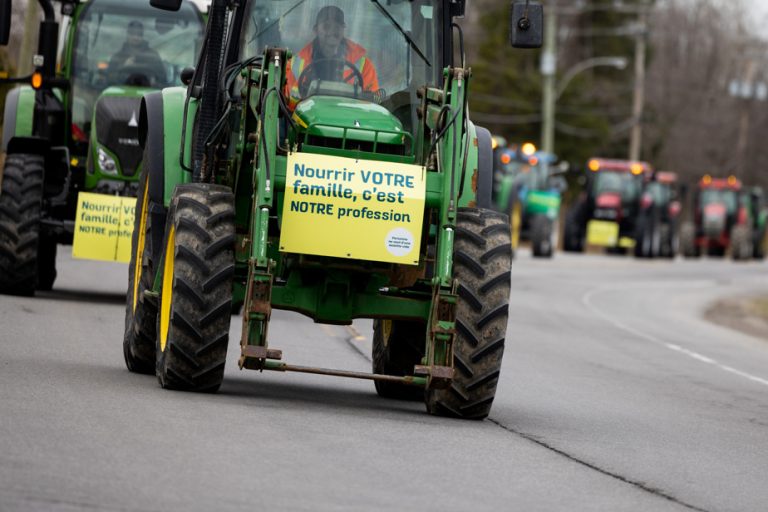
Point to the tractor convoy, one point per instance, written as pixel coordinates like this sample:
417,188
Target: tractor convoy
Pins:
73,126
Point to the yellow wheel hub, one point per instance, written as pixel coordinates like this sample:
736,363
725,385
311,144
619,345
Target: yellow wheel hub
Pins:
515,220
138,257
166,298
386,330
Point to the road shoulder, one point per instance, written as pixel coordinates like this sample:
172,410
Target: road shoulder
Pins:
746,314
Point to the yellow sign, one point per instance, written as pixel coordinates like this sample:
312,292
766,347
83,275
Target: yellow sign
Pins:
349,208
103,227
626,243
602,233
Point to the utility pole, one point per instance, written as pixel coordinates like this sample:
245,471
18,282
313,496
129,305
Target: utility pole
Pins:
29,39
549,72
638,103
747,87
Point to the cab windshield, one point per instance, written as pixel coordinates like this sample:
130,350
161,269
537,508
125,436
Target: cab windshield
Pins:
624,183
350,48
130,43
661,193
720,196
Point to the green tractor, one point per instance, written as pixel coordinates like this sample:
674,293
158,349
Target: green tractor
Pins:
72,128
529,188
281,178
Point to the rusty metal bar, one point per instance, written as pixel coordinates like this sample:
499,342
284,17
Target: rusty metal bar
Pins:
283,367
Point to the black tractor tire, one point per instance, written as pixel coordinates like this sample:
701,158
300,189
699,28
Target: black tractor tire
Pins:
688,241
761,245
398,346
21,201
573,237
741,243
482,261
196,298
648,243
642,239
141,309
541,236
668,248
46,263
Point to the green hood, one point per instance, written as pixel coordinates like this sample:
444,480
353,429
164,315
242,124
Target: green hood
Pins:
330,116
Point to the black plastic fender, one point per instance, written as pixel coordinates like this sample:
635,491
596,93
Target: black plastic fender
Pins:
151,126
9,116
484,168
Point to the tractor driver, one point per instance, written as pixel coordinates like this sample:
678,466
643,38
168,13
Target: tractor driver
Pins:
327,54
136,63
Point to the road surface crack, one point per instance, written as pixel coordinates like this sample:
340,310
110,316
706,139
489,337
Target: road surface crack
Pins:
640,485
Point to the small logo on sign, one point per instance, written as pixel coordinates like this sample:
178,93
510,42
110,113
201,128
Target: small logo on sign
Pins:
399,242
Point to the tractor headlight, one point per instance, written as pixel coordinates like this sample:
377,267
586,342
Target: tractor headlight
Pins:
106,162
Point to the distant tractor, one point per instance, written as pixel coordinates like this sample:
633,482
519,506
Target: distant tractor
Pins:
721,220
757,210
658,220
527,187
72,127
606,213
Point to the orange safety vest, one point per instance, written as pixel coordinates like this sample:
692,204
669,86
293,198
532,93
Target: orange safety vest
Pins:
356,54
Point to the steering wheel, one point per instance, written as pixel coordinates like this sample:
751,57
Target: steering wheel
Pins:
136,75
306,76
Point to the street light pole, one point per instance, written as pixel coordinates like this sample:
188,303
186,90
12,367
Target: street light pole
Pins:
548,71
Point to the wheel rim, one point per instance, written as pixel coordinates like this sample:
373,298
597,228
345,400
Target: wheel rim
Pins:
386,331
514,221
138,258
167,294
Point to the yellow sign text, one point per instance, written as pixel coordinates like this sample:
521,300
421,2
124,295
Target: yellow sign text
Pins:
103,227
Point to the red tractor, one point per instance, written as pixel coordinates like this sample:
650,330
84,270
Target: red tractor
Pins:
719,221
658,218
607,210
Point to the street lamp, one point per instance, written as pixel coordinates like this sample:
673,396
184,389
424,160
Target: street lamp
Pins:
614,62
553,91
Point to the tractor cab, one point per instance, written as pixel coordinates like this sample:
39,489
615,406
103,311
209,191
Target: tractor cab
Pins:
717,204
357,70
615,187
121,51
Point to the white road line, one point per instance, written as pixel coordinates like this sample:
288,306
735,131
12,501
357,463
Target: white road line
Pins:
586,299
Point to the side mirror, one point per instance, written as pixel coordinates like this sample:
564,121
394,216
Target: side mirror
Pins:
458,8
5,22
526,25
166,5
186,75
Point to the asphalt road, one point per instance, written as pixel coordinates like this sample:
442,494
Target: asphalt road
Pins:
615,395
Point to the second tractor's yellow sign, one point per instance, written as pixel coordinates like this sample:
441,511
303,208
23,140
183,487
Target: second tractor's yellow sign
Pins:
349,208
103,227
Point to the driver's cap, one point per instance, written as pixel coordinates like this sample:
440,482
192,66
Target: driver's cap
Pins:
330,13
